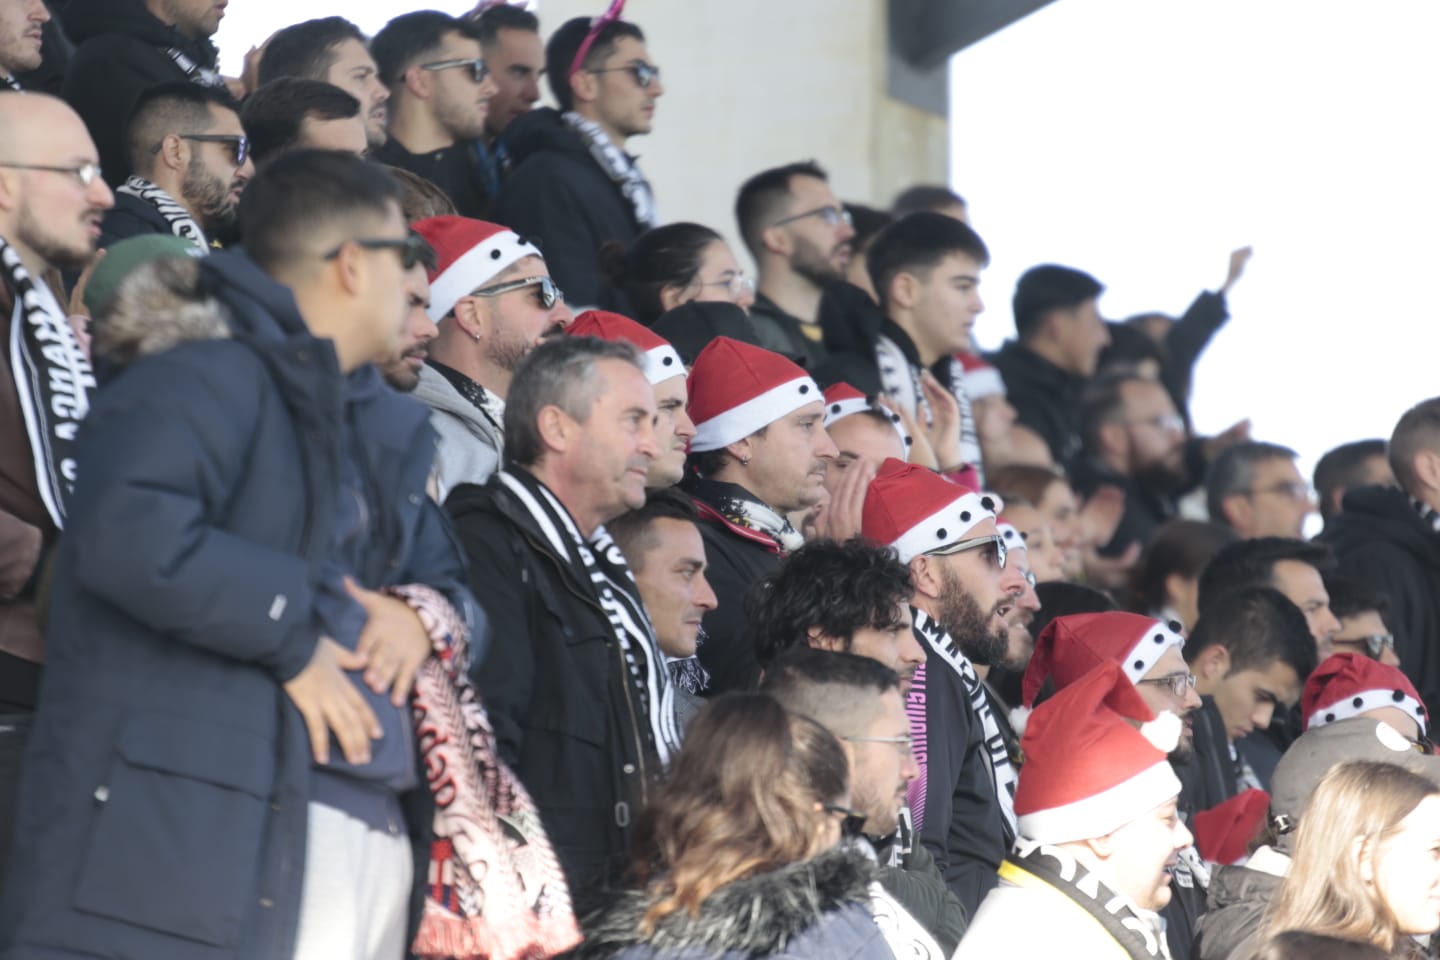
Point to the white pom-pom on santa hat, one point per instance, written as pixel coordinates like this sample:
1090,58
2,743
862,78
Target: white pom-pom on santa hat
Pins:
1089,769
469,254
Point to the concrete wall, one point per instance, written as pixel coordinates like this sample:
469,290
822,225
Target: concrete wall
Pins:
751,84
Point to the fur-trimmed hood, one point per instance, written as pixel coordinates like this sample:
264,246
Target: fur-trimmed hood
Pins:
756,916
160,305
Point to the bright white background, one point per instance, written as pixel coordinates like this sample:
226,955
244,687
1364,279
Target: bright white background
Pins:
1143,139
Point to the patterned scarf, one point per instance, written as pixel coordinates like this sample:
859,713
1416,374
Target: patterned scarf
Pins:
194,72
738,506
620,167
495,888
615,590
1427,513
12,83
181,223
937,640
53,378
1140,934
900,379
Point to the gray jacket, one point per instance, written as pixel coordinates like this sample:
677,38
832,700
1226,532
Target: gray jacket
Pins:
1238,898
469,447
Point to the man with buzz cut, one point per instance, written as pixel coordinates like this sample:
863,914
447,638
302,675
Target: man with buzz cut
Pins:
191,161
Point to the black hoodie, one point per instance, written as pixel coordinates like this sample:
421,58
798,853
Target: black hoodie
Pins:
121,50
1382,542
559,195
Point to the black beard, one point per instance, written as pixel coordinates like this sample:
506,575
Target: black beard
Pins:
963,618
1162,479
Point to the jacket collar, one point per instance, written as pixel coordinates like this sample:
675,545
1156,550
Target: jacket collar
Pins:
1036,369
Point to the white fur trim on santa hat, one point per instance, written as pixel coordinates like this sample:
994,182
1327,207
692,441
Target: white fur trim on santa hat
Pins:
1147,652
1014,540
1364,702
945,526
662,363
1100,813
739,422
474,268
840,409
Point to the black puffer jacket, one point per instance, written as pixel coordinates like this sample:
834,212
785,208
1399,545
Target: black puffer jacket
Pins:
122,50
814,910
1382,542
559,195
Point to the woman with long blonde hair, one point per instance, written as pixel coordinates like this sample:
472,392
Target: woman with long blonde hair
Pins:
1366,866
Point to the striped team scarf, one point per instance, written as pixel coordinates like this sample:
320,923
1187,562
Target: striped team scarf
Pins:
615,590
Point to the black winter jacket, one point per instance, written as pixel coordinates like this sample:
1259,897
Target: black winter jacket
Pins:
1207,777
1382,542
559,195
566,714
130,217
1046,399
122,50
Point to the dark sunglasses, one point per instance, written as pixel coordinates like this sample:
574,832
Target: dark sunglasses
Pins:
410,248
239,144
852,822
478,70
644,73
547,294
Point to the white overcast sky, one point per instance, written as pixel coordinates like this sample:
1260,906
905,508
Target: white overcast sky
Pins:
1143,139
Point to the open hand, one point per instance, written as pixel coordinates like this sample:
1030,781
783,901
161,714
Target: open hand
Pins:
394,642
330,703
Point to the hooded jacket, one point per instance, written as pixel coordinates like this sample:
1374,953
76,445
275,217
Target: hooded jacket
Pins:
561,197
814,910
163,812
121,50
470,444
1382,542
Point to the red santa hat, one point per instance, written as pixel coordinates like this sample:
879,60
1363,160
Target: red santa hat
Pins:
981,379
470,254
1349,684
736,389
917,511
843,400
1070,647
662,361
1223,833
1095,760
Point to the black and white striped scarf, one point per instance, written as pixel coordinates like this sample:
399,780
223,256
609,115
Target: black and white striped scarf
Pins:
53,379
616,592
1427,513
10,81
181,223
194,72
900,380
620,167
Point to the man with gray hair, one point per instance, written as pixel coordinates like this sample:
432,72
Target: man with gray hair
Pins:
575,682
1256,489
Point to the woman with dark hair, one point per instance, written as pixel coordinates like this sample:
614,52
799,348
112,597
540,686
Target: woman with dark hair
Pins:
739,854
1166,582
673,265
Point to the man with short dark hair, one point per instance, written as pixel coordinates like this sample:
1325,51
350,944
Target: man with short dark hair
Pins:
124,48
191,161
851,597
334,51
575,683
1294,567
1059,336
440,90
1363,463
760,452
859,700
1256,489
800,236
304,549
1388,539
663,548
293,113
1250,653
49,222
515,56
930,198
22,25
574,185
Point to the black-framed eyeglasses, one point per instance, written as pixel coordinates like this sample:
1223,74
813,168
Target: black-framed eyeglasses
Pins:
1375,644
1177,682
547,295
239,144
644,73
86,173
832,215
906,744
411,248
478,70
852,822
976,543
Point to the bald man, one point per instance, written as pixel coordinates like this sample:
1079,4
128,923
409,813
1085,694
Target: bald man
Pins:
51,201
